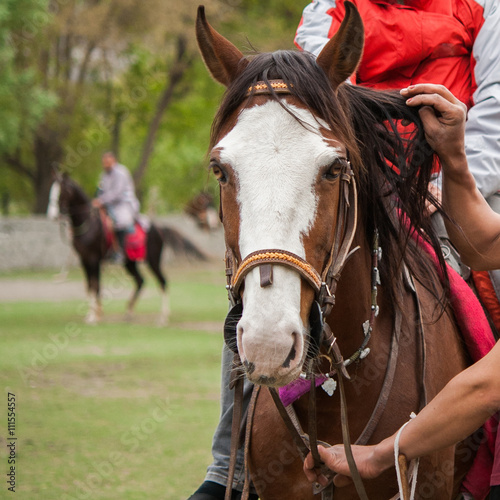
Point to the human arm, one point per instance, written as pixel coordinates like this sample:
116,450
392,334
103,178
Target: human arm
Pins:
478,236
482,130
464,404
320,19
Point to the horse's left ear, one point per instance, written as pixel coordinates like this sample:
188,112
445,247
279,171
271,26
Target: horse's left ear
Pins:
341,55
224,61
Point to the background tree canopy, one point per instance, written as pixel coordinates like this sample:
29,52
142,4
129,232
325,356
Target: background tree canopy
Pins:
80,77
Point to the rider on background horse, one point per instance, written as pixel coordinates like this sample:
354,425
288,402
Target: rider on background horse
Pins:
403,48
116,193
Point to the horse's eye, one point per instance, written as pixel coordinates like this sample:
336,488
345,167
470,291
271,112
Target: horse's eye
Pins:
333,171
218,172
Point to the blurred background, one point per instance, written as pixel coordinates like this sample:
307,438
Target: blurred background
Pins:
83,76
124,409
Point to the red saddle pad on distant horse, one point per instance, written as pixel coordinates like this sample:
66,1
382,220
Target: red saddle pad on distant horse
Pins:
135,243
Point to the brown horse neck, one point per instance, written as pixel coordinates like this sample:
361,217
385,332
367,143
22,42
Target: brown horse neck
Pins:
79,216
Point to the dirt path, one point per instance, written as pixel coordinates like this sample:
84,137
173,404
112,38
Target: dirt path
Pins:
57,289
25,289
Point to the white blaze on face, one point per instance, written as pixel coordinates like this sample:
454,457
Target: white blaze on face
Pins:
276,161
53,207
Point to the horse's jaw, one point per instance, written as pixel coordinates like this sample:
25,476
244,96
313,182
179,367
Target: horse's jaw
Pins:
271,334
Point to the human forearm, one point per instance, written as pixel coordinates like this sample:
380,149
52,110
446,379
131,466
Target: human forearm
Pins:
458,410
455,413
476,238
461,408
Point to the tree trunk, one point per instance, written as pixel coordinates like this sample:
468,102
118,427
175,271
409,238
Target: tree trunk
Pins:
179,67
116,133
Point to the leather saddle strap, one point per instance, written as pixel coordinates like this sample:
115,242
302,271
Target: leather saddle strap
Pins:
421,333
312,424
348,214
327,491
343,243
270,87
423,352
358,483
237,384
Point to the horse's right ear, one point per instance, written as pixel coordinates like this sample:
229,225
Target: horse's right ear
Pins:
341,55
224,61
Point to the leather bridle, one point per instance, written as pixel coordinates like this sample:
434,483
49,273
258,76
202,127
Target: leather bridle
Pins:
324,285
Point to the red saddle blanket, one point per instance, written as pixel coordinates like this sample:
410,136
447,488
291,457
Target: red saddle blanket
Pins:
135,243
478,337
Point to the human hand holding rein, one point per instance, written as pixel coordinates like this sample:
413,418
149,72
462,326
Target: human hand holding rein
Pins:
371,461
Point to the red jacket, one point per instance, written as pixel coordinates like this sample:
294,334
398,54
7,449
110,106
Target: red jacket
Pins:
455,43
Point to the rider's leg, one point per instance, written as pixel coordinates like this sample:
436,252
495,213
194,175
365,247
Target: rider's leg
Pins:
119,250
217,472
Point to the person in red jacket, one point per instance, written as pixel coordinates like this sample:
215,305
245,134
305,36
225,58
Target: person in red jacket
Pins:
455,43
470,398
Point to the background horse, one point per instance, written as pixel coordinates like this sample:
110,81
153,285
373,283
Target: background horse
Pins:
202,208
89,241
290,143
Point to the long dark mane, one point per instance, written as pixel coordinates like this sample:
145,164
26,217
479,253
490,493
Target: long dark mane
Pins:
388,152
73,194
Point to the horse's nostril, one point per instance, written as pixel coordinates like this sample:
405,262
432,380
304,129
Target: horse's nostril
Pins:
290,357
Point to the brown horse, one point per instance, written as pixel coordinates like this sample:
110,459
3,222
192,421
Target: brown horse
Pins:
202,209
89,241
316,174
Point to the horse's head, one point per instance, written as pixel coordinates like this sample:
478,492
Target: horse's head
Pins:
65,194
53,210
281,146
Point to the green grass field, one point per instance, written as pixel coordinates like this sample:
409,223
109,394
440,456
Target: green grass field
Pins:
115,411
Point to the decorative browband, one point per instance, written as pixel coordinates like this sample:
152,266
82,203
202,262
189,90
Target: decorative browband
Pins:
280,257
279,86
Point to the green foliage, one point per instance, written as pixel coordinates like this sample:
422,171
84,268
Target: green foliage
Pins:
22,101
109,102
178,167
